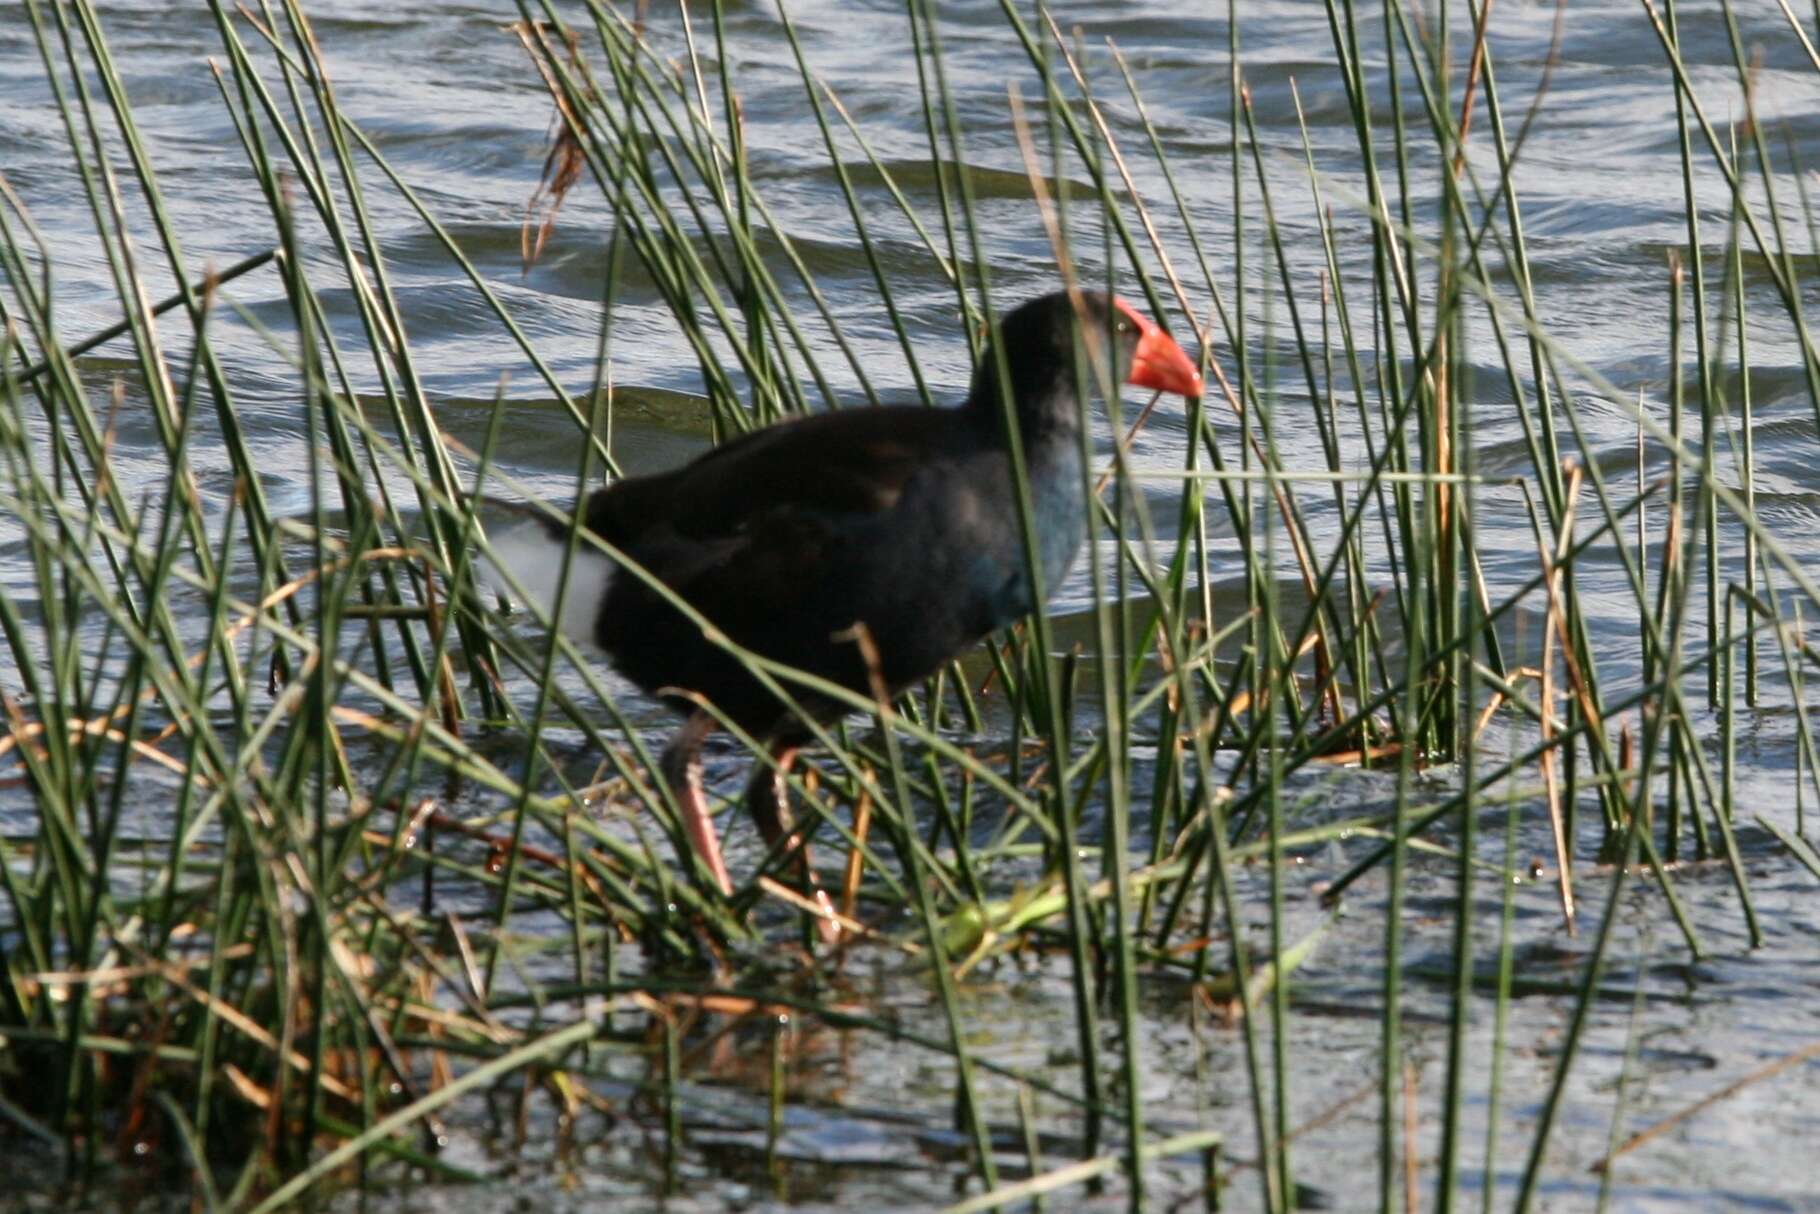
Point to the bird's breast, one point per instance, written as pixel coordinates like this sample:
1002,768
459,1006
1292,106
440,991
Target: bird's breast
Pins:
997,574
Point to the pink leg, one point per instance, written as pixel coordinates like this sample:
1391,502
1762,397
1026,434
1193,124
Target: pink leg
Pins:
768,801
681,765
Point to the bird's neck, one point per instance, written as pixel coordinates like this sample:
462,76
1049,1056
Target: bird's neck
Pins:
1047,415
1046,409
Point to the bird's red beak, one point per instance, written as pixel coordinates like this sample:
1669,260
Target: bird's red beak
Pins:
1159,363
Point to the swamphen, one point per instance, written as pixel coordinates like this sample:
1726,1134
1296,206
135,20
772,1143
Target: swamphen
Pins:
901,518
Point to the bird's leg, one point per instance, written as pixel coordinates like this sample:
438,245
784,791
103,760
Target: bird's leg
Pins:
768,801
681,765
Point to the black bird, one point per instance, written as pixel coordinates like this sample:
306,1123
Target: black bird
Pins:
901,518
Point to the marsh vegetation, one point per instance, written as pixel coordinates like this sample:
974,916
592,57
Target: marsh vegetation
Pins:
1403,804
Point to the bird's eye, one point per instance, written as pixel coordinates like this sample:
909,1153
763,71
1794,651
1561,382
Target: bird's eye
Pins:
1123,326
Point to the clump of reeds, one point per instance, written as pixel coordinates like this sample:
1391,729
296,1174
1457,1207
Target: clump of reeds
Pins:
261,750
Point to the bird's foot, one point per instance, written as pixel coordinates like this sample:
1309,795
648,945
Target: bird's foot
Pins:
682,771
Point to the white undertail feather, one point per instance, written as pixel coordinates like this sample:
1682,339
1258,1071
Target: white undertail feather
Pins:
527,550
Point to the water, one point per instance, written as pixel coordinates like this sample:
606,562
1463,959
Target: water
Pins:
450,96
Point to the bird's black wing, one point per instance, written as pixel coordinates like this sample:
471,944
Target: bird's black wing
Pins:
855,462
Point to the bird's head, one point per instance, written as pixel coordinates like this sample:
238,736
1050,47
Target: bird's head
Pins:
1039,347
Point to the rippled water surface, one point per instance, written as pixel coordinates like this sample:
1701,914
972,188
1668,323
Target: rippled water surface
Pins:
450,97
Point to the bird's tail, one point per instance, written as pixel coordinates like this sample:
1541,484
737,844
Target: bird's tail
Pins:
528,552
